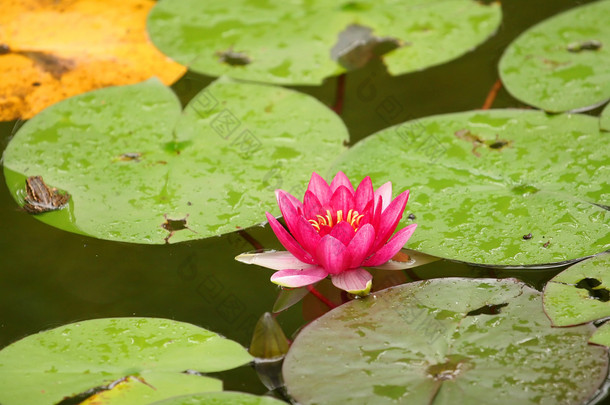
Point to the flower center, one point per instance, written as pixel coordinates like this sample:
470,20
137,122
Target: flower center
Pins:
353,218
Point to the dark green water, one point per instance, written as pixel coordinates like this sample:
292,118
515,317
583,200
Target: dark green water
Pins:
50,277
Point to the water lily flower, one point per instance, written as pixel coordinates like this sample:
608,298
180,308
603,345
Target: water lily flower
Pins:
335,231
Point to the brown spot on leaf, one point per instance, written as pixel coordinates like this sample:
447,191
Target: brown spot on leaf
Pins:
174,225
477,141
130,157
466,135
230,57
450,369
587,45
54,65
498,143
553,63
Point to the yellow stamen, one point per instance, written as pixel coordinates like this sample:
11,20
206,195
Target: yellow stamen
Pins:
339,216
321,220
353,218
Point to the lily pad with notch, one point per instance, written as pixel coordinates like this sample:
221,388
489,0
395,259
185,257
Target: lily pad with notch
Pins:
140,169
580,294
304,42
131,360
437,342
510,188
563,63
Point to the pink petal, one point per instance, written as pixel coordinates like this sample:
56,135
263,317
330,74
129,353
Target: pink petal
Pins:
289,211
298,278
319,187
330,254
306,235
343,231
356,281
311,205
273,260
341,180
293,200
373,218
392,247
385,191
342,200
359,246
299,227
288,241
390,218
364,194
368,212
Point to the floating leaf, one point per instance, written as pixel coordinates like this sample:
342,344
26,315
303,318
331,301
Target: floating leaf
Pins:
604,119
579,294
140,170
444,341
563,63
292,42
602,335
501,187
52,50
220,398
149,355
153,387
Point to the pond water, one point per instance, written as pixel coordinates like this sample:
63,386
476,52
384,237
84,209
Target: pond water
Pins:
49,277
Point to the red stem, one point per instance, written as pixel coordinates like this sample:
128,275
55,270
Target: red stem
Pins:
319,296
255,244
491,96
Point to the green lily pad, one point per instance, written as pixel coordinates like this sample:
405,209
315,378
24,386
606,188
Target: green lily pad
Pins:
581,293
563,63
220,398
152,387
501,187
444,341
602,335
139,169
604,119
303,42
152,353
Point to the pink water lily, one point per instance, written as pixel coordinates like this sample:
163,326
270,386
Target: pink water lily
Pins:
335,231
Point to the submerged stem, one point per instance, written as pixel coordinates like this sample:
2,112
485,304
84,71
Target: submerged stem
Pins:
321,297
